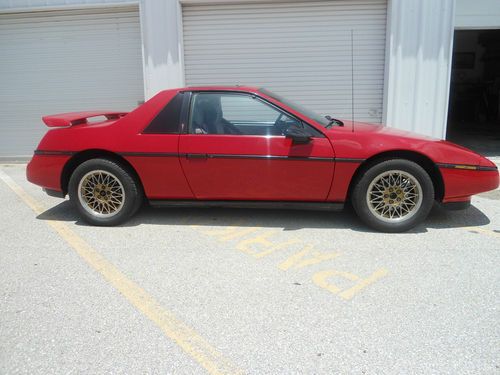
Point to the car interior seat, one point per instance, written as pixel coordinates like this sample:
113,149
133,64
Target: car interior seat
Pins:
207,115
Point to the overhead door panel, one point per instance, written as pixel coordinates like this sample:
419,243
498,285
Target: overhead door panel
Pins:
301,50
65,61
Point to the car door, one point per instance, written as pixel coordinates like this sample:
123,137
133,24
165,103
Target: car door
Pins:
235,148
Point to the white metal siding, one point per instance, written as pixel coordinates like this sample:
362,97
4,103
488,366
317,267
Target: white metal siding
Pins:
477,14
301,50
66,61
30,4
419,65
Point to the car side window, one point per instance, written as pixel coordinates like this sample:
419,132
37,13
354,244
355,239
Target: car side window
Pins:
237,113
167,121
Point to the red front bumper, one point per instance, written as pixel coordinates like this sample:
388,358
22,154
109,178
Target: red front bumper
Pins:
461,184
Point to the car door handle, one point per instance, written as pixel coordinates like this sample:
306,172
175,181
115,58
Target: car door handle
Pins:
196,156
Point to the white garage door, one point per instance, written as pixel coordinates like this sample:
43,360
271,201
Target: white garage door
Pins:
67,61
301,50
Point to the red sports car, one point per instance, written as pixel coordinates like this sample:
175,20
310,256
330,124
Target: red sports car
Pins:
247,147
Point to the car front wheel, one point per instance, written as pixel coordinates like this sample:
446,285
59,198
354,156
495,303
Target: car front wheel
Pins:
104,192
393,195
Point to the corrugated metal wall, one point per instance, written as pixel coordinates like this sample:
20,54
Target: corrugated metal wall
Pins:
420,35
301,50
65,61
20,4
417,61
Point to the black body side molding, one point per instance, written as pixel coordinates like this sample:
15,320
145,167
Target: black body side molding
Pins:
290,205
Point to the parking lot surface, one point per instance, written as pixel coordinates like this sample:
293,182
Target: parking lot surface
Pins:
190,291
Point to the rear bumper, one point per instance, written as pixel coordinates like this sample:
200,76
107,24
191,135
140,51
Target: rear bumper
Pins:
46,170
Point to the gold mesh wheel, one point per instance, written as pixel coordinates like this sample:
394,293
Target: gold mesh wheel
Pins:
394,196
101,193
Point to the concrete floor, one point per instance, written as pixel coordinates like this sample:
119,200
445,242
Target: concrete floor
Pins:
191,291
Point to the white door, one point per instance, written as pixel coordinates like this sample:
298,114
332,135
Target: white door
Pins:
301,50
65,61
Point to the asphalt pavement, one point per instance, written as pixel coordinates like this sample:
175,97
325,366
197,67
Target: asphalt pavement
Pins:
194,291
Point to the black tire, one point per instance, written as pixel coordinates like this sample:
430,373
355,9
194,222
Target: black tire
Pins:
369,213
132,196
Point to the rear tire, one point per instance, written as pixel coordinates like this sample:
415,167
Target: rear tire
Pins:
393,195
104,192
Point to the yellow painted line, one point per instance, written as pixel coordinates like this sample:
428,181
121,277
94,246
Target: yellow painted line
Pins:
183,335
321,280
483,231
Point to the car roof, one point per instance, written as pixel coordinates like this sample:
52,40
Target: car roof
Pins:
221,88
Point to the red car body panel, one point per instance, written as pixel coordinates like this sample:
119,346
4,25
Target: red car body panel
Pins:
460,184
46,171
78,118
242,167
259,177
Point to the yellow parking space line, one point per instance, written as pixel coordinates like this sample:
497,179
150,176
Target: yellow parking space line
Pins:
483,231
183,335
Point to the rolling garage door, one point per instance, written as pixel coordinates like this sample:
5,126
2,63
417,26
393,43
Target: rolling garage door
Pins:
301,50
65,61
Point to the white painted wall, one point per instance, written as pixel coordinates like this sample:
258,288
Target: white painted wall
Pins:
477,14
418,65
162,45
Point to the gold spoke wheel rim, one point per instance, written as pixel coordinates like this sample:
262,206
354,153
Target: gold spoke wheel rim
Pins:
394,196
101,193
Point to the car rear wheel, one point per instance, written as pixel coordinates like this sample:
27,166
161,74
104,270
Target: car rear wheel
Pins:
393,195
104,192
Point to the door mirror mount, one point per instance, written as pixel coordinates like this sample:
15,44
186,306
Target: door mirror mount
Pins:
298,135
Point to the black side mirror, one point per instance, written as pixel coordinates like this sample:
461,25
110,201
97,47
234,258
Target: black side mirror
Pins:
298,135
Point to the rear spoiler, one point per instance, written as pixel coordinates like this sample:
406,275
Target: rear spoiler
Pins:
78,118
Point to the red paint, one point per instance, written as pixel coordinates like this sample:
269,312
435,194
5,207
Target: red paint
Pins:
341,180
461,184
257,178
45,171
177,177
70,118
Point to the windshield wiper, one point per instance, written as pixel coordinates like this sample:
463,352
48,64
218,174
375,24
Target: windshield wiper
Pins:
333,121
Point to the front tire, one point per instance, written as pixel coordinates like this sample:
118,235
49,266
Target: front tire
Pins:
104,192
393,195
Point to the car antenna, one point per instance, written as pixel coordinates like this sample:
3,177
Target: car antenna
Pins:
352,79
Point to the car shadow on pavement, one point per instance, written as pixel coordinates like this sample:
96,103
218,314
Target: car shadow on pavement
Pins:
287,220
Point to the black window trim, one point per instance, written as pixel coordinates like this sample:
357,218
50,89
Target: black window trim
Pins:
185,109
185,120
185,95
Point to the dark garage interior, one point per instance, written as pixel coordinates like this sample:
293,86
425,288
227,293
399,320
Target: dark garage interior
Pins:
474,115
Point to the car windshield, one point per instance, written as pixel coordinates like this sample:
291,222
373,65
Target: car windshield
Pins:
297,107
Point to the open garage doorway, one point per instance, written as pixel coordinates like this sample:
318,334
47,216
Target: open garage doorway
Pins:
474,110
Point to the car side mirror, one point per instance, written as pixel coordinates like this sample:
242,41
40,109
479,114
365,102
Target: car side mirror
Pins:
298,135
